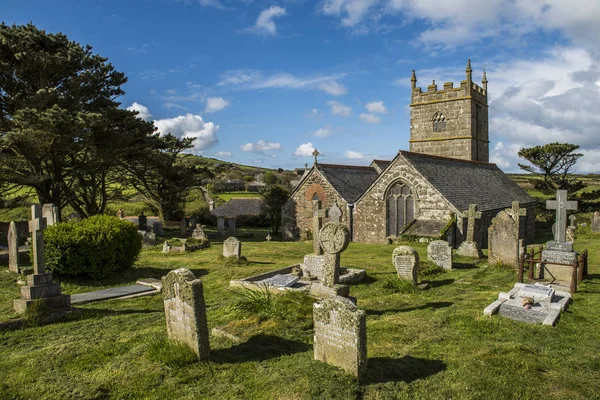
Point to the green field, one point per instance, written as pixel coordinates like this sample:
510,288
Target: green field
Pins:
433,344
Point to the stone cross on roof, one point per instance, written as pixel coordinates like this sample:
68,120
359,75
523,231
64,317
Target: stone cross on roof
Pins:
318,215
315,154
561,205
472,214
36,227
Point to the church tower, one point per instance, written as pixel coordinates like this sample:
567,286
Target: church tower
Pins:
452,122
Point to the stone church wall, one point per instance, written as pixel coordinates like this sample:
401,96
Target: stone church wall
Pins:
297,213
369,216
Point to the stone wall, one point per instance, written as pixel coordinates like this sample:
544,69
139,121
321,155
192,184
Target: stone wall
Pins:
297,213
370,211
466,112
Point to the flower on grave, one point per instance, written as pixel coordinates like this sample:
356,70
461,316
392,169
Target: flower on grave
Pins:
527,303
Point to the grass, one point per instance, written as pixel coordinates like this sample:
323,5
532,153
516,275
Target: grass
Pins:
430,344
237,195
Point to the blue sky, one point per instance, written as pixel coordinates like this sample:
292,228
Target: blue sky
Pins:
265,82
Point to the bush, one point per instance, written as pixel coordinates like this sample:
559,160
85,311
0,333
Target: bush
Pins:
94,247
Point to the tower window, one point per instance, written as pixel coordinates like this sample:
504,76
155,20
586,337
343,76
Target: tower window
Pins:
439,122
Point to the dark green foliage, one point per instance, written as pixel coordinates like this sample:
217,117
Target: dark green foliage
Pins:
94,247
551,164
275,198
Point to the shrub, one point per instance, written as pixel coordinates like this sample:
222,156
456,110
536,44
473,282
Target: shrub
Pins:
94,247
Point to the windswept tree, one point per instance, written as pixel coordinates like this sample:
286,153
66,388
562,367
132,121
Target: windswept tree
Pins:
274,199
552,166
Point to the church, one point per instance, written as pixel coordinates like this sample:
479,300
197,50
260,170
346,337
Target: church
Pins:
424,192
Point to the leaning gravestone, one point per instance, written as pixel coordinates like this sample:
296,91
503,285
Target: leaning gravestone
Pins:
185,310
596,222
341,335
13,248
232,247
503,241
439,252
406,261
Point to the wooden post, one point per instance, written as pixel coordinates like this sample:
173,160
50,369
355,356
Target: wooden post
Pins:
574,277
585,263
580,268
521,267
530,273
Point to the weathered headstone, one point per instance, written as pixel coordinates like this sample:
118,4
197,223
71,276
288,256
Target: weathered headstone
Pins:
333,239
341,335
335,213
596,222
318,215
50,212
406,262
232,247
157,228
13,247
185,310
40,288
142,222
221,225
503,240
198,233
440,253
470,248
312,267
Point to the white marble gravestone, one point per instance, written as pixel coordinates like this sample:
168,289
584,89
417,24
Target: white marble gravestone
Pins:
406,262
232,247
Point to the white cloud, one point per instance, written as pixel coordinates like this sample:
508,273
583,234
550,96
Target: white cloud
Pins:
223,154
190,126
323,132
265,24
354,155
340,109
261,146
254,79
313,113
214,104
143,111
304,150
376,107
370,118
351,11
170,105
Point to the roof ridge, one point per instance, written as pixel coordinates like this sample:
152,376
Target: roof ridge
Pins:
411,153
366,167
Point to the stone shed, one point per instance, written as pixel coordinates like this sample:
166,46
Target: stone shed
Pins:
233,209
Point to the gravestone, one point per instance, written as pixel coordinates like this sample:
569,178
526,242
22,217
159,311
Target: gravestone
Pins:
40,289
333,239
50,212
318,215
13,247
268,237
142,222
406,262
596,222
221,226
470,248
185,311
503,240
312,267
148,238
232,247
157,228
198,233
440,253
281,280
341,335
572,220
335,214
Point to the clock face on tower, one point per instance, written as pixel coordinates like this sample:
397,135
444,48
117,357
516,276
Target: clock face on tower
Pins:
334,238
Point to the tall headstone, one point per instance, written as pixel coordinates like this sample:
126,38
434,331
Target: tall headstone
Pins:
561,205
596,222
333,239
335,213
318,215
406,262
142,222
221,225
50,212
198,233
439,252
470,248
503,240
341,335
185,311
232,247
40,288
13,247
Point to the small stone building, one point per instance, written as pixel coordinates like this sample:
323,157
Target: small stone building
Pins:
235,208
422,191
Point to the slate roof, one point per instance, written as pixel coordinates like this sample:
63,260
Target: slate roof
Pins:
350,181
237,207
382,164
464,182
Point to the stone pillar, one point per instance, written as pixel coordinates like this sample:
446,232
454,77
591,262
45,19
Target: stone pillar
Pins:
231,226
13,248
221,225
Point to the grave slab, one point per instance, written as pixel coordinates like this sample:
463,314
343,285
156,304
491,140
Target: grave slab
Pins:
111,293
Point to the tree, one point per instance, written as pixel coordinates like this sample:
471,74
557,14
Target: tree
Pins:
274,199
61,131
270,178
552,166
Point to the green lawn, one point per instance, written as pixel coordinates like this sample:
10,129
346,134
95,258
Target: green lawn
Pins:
237,195
434,344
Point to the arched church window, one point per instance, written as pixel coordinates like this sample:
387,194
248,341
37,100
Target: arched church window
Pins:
316,196
400,208
439,122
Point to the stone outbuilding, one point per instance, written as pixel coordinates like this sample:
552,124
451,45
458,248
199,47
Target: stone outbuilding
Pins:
235,208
